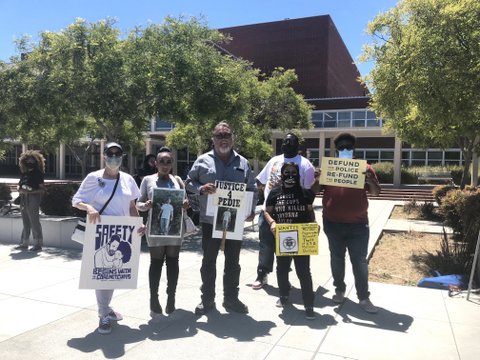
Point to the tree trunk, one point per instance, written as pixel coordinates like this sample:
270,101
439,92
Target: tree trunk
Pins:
467,154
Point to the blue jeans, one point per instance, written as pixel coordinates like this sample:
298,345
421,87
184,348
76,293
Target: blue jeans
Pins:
354,237
266,253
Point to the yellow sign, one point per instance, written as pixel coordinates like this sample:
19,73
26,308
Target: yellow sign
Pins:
343,172
296,239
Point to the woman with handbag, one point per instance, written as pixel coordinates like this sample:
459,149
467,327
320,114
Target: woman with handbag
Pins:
162,249
112,192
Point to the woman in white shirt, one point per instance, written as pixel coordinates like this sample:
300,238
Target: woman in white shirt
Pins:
93,193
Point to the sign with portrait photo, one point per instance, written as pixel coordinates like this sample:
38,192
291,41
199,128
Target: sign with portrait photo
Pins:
230,204
339,172
111,252
165,220
296,239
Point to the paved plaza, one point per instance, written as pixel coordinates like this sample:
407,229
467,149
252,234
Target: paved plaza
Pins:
43,314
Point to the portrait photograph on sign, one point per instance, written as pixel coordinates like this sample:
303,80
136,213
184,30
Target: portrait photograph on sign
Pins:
111,253
166,214
226,218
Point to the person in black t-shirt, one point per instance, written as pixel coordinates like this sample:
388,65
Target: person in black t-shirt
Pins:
291,204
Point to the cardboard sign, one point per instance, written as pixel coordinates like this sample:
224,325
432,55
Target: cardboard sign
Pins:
230,205
296,239
348,173
111,252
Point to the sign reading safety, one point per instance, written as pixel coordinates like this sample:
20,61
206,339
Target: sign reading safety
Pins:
343,172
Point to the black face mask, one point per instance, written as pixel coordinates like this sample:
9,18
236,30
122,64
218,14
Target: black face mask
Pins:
291,180
290,146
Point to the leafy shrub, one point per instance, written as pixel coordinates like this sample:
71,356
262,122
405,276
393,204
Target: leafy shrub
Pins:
384,171
460,209
427,211
57,200
410,206
5,193
440,191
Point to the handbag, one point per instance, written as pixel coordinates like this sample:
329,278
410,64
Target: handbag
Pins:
78,234
188,226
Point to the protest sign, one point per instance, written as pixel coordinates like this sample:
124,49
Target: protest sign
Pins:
296,239
165,220
229,203
343,172
111,253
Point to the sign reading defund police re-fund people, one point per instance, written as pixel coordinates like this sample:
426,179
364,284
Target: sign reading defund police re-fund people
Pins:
296,239
111,253
229,201
343,172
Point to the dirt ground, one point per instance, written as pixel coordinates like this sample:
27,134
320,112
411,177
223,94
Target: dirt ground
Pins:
400,258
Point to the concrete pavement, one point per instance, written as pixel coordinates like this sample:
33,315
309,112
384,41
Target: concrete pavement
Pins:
44,315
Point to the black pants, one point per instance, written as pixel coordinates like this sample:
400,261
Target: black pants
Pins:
231,273
302,268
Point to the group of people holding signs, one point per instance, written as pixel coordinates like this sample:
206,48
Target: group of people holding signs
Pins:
227,193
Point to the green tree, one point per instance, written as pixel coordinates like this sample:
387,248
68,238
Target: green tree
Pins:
426,78
86,82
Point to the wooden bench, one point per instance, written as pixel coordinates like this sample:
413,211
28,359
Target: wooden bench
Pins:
444,176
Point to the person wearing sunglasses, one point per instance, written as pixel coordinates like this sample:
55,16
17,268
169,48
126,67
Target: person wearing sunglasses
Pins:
165,249
91,196
267,180
345,222
224,164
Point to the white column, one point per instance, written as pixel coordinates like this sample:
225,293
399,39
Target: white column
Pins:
474,173
102,146
61,162
131,167
148,146
321,147
397,163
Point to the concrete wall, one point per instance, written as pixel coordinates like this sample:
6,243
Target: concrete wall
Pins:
56,231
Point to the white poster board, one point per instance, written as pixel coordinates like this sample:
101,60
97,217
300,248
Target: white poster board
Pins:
111,253
229,206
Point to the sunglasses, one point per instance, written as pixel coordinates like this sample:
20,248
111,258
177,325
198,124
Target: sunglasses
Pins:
345,147
165,162
221,136
113,154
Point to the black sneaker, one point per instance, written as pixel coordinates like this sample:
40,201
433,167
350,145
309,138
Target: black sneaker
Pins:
282,300
203,308
235,305
309,313
104,325
21,247
36,248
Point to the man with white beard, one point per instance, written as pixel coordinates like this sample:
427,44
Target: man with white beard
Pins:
222,164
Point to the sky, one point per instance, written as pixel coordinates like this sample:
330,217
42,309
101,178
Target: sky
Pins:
20,17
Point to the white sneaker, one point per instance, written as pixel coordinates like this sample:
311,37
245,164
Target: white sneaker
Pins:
260,282
367,305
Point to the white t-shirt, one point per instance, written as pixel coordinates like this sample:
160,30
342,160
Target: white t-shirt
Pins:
271,176
95,191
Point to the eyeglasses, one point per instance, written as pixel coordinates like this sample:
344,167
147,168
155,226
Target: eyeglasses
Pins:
345,147
165,162
221,136
113,154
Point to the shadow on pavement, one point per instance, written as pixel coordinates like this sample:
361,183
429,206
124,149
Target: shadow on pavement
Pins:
352,313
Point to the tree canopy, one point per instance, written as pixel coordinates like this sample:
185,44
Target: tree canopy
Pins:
426,79
89,81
